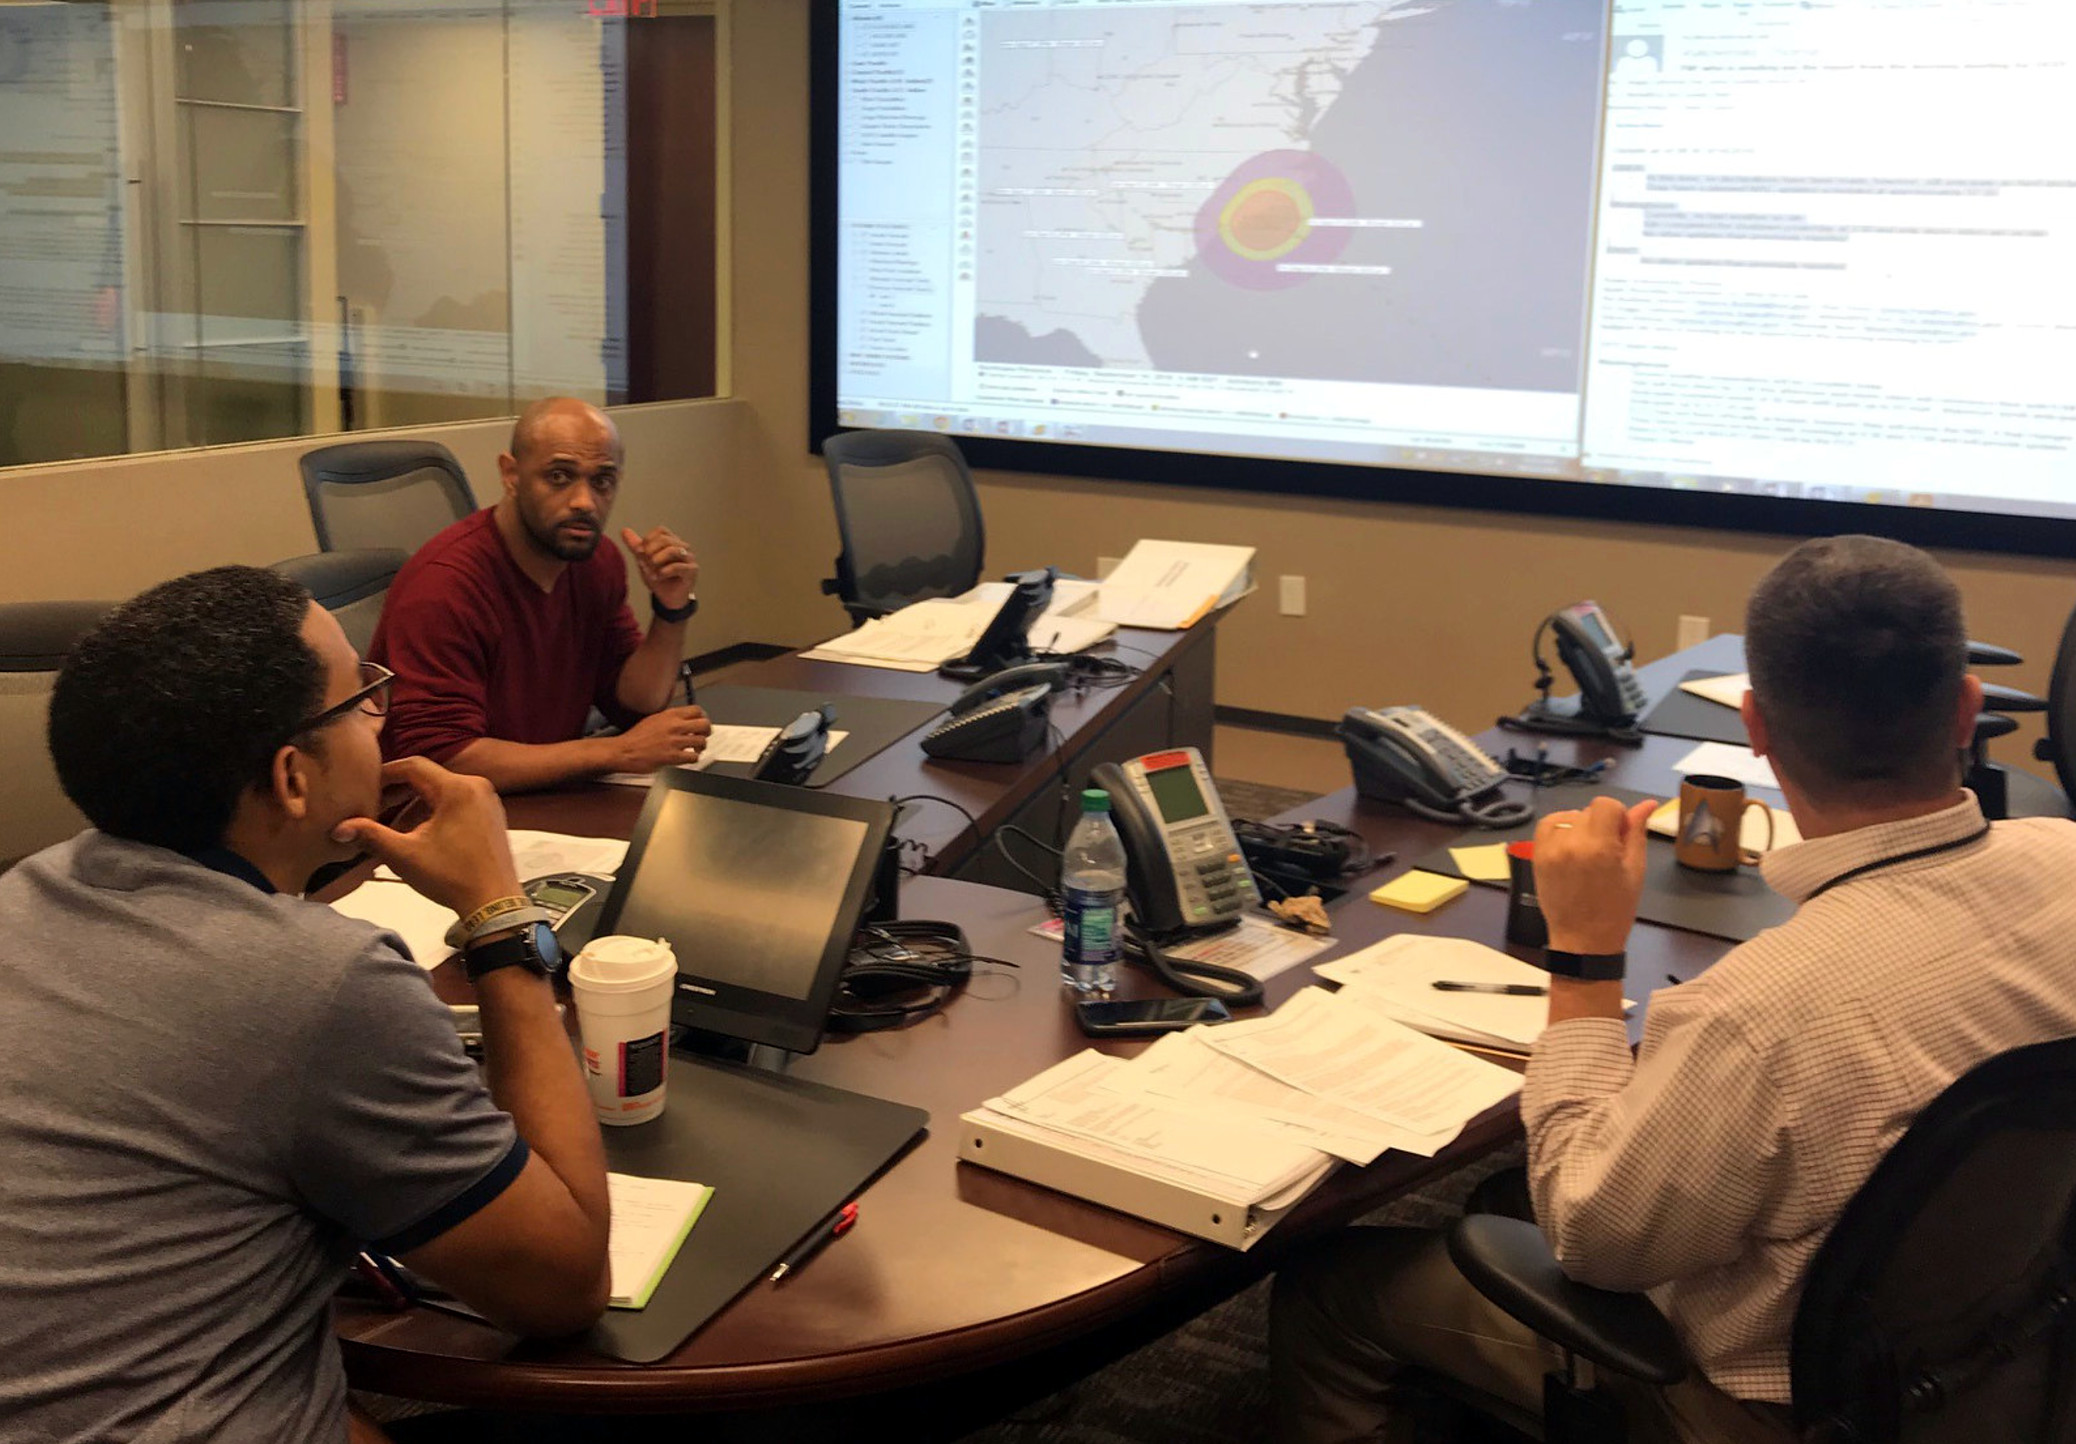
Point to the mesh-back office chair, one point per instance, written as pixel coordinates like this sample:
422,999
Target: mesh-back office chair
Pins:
35,638
908,516
2059,745
2002,792
349,585
1941,1308
367,494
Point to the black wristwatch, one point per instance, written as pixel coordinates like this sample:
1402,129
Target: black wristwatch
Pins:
672,614
533,948
1586,967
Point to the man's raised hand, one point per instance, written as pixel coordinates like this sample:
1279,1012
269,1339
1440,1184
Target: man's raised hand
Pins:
458,856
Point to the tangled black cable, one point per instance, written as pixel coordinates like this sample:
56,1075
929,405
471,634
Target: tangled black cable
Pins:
902,972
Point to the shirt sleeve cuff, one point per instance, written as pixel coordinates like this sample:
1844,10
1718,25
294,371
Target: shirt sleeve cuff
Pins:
1577,1059
462,1206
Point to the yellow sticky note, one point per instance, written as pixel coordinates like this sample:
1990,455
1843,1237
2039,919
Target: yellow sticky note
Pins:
1482,864
1420,892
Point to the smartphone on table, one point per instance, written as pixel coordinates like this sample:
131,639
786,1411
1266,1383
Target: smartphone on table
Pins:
1107,1018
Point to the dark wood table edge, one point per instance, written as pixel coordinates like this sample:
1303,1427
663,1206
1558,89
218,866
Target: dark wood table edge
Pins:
608,1386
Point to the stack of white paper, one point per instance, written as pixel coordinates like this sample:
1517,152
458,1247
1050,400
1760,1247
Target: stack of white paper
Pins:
925,635
1219,1130
727,744
1169,585
1397,976
1330,1046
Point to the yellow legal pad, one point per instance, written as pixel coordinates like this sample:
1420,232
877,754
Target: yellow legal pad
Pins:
1420,892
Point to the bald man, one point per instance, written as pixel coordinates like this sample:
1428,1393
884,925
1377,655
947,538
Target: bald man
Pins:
507,628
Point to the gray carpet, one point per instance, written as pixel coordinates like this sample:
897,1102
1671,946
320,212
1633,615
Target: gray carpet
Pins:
1207,1382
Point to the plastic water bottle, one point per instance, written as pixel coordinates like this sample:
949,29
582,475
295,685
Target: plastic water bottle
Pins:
1092,875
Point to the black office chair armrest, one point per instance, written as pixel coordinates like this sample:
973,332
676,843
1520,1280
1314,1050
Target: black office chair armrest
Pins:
1982,654
1509,1262
1997,698
1991,725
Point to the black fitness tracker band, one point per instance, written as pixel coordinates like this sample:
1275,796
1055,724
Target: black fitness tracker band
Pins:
1586,967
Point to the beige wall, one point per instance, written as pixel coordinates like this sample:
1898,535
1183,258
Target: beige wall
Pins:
95,529
1406,603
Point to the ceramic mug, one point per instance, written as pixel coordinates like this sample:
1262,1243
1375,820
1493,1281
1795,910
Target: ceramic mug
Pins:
1711,820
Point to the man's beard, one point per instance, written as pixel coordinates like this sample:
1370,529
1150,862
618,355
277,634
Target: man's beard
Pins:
563,545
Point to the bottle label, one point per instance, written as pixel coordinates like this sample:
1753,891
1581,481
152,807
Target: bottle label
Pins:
1090,915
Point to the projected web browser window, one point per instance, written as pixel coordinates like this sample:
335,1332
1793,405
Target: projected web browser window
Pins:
1765,246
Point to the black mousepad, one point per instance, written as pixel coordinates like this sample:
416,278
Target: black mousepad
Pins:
1734,905
874,723
1682,714
781,1155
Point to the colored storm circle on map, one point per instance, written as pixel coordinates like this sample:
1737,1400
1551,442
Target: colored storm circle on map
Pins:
1259,220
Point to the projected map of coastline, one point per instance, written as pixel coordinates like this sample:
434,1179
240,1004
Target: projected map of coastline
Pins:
1233,189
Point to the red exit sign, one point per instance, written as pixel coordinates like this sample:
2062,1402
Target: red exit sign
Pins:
620,9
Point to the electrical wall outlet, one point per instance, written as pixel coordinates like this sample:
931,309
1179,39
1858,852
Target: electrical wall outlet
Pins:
1692,633
1105,566
1291,598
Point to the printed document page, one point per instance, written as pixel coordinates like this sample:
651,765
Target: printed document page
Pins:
1397,976
390,904
727,744
1185,1070
1724,760
1333,1048
1168,585
1235,1159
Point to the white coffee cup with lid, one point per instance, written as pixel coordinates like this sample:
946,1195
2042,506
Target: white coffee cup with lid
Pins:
623,987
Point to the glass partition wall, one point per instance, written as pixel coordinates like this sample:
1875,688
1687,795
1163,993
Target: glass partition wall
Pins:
235,220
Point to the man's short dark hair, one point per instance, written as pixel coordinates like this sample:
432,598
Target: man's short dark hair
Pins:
1857,648
176,703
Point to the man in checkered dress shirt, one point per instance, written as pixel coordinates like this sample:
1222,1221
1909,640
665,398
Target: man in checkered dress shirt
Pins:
1709,1168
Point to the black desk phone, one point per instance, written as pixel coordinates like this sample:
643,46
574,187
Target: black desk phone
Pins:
1002,718
1406,756
797,750
1610,698
1184,869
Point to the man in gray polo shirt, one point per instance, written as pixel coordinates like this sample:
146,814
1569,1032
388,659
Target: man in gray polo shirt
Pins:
213,1091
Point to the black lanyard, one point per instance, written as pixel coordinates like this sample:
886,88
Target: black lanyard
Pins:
1880,862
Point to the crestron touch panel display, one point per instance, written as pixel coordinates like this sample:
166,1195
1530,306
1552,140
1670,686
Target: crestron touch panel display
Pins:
758,888
1754,246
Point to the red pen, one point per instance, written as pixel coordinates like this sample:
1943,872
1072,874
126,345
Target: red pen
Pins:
839,1225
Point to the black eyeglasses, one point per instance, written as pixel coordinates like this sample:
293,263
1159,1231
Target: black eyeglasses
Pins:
372,698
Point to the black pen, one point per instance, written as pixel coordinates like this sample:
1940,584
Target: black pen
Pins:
685,676
813,1244
1503,990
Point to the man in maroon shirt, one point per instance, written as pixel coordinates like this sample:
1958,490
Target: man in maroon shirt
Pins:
509,626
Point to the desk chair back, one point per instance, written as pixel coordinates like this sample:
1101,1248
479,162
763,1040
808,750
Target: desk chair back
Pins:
35,638
366,494
2059,745
1942,1307
349,585
908,516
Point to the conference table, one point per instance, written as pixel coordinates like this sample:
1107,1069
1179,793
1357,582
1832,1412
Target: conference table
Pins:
956,1276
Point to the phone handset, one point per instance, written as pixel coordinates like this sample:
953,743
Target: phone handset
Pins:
1000,718
1184,871
1408,756
1010,679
